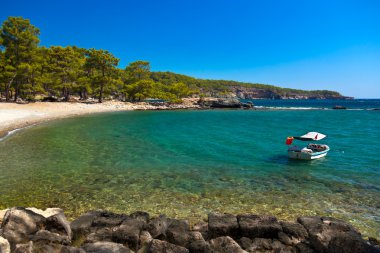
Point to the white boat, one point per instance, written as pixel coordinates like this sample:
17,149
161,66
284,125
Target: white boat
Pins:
311,151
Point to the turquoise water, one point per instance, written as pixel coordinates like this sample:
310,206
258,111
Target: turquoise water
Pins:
189,163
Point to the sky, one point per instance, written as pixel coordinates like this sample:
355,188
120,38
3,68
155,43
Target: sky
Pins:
325,44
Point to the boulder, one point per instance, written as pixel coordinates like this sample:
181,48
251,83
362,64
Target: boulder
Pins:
323,231
349,242
225,244
108,219
222,225
100,234
201,227
129,232
4,245
197,243
258,226
83,224
158,246
294,229
140,215
105,247
157,226
178,232
226,103
19,224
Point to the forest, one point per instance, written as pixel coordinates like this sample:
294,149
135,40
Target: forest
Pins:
32,72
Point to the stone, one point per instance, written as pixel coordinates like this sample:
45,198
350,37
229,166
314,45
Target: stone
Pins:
294,229
108,219
157,226
260,244
105,247
199,246
158,246
178,232
145,238
222,225
47,236
140,215
225,244
245,242
129,232
4,245
83,224
258,226
24,248
323,230
201,227
349,242
304,248
288,240
100,234
58,224
47,212
2,214
19,224
226,103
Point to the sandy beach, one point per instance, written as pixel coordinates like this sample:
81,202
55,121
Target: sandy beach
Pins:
14,116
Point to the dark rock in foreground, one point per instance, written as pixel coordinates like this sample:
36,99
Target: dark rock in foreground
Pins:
31,230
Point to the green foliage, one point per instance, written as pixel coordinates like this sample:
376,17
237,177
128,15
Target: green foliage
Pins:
29,71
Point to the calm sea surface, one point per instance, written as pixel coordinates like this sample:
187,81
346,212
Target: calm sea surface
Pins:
189,163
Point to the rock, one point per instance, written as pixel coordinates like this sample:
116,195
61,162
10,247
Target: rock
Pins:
139,215
58,224
100,234
323,230
108,219
349,242
145,238
260,244
294,229
50,99
258,226
245,242
201,227
225,244
339,107
304,248
157,226
226,103
129,232
178,232
47,236
105,247
2,214
222,225
19,224
47,212
83,224
158,246
24,248
4,245
197,243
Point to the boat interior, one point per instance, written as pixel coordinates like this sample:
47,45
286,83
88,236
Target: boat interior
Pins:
317,147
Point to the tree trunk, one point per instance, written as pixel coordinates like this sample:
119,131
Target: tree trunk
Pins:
101,93
7,88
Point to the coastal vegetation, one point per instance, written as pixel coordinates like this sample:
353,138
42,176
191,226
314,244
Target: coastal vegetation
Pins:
32,72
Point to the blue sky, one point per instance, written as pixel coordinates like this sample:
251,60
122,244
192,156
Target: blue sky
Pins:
297,44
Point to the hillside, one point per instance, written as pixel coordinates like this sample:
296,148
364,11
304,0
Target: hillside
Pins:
243,90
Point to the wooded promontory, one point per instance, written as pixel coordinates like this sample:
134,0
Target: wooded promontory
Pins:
32,72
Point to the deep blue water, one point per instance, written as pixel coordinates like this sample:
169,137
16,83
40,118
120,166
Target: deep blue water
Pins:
189,163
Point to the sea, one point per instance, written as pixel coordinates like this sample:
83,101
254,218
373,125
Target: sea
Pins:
188,163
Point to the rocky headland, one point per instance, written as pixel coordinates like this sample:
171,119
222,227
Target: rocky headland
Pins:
25,230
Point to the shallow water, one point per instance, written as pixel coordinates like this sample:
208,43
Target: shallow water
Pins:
189,163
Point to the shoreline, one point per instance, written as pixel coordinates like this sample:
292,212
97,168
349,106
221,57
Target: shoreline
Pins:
14,117
102,231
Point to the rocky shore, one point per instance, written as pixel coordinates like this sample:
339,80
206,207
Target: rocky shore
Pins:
25,230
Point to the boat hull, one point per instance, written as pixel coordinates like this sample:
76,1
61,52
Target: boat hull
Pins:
307,156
